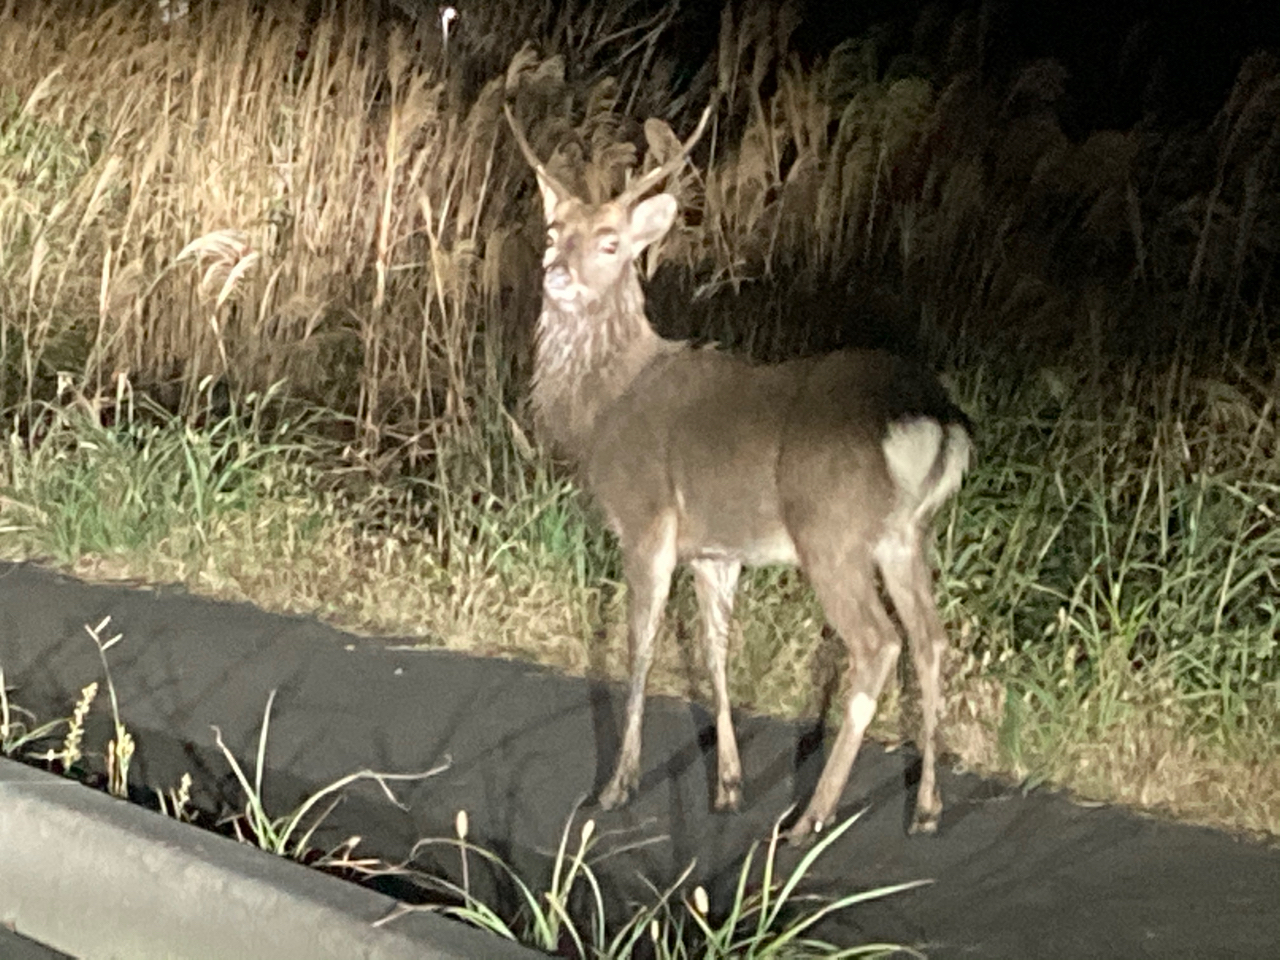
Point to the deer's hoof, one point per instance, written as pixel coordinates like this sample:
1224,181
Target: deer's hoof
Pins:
615,795
804,830
729,796
925,822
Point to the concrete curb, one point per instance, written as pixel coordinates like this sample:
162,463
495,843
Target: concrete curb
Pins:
14,946
97,877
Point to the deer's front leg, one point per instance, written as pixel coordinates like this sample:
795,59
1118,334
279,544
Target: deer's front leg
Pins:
715,581
649,564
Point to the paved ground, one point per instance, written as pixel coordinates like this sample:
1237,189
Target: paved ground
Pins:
1014,876
15,947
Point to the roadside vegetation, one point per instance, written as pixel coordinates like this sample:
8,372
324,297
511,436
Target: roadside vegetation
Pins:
564,911
267,286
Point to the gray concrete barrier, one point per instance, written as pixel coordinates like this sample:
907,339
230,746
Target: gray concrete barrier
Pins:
96,877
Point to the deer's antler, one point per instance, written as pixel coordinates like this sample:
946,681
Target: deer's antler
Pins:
561,191
637,189
655,176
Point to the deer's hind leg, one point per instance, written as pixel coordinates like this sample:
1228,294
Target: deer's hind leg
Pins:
908,580
845,584
649,559
715,581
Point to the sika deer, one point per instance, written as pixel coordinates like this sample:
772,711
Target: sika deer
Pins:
696,456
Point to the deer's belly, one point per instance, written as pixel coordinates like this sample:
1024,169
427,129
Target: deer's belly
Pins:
744,528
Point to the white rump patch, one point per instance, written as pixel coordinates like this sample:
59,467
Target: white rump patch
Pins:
926,460
910,449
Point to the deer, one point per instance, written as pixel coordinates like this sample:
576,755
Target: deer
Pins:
699,456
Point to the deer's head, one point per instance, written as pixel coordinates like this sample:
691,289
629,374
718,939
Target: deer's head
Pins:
591,247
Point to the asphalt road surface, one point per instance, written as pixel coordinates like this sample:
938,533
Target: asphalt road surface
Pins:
1013,875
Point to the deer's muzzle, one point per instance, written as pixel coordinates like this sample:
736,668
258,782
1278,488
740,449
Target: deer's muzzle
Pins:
558,283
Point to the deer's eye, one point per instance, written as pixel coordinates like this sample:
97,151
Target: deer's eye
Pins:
609,244
551,238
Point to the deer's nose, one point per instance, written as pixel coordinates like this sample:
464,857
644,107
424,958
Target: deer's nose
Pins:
556,279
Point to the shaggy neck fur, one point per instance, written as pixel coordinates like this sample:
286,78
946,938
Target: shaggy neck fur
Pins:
586,358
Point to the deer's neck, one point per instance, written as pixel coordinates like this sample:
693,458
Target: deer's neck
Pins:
585,359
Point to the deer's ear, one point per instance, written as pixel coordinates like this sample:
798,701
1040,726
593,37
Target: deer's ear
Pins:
651,219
